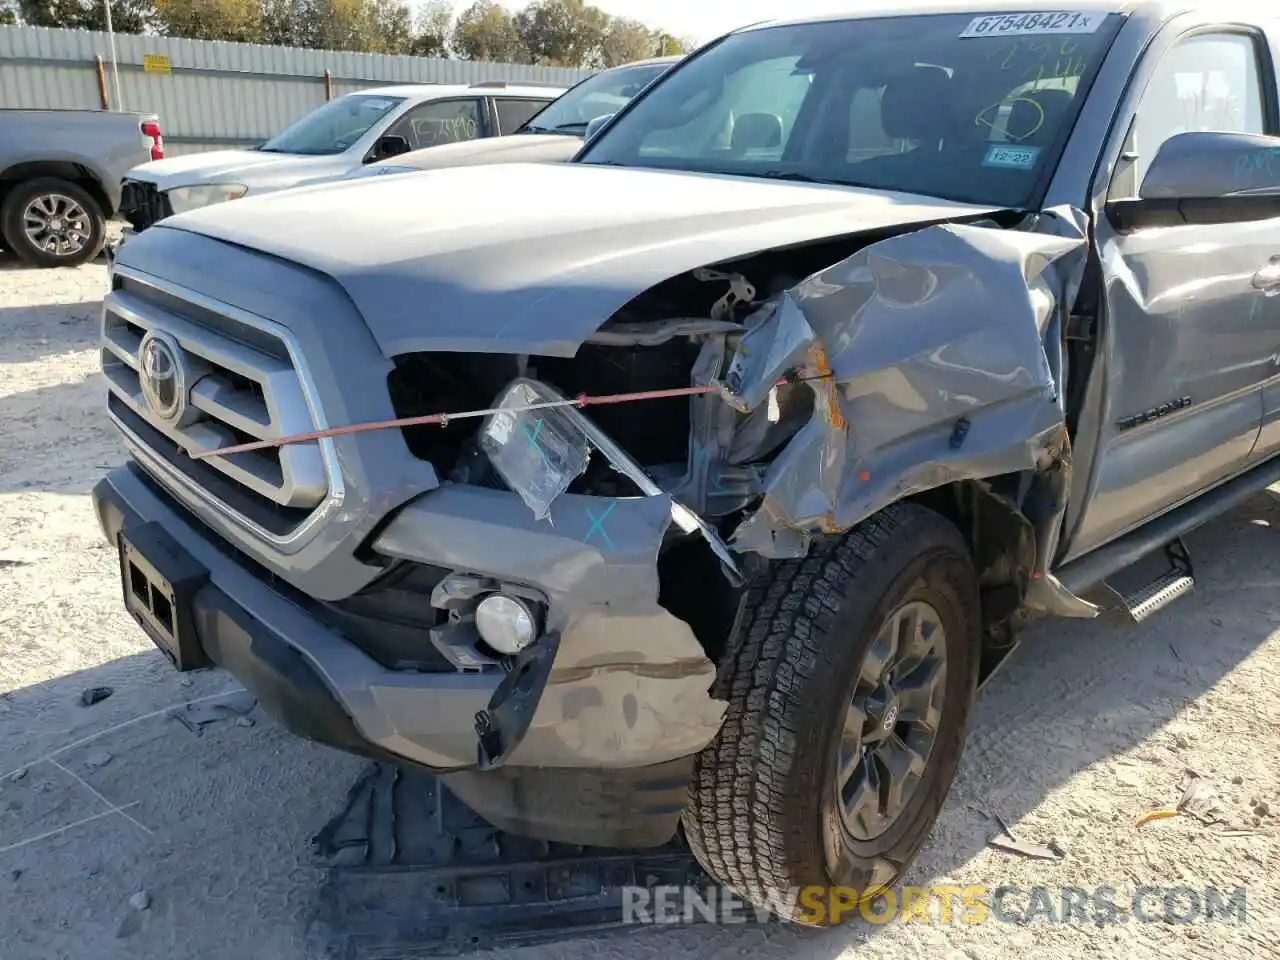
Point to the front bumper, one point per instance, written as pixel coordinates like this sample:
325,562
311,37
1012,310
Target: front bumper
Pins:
289,658
598,734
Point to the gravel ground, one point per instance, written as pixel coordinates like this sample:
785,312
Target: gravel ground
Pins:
205,824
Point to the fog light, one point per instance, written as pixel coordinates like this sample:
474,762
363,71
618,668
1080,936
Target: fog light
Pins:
506,624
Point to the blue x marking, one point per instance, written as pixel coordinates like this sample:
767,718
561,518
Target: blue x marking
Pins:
597,525
532,437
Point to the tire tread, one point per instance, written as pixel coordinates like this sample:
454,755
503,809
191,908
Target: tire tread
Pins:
737,822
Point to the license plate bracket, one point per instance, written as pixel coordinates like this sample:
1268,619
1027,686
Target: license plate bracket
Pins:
159,580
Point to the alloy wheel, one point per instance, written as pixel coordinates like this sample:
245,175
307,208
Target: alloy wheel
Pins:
56,224
892,720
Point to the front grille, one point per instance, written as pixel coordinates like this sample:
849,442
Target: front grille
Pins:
391,619
142,204
239,384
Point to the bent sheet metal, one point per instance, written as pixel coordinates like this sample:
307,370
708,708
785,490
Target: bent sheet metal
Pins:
944,350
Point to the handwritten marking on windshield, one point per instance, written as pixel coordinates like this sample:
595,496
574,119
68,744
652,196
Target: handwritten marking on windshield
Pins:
991,116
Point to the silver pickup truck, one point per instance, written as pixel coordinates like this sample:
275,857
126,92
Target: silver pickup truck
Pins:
60,173
704,478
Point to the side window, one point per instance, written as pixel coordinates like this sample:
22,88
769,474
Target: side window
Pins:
1206,82
441,121
768,94
514,114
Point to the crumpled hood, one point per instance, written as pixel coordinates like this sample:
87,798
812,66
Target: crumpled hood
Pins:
533,258
222,166
517,148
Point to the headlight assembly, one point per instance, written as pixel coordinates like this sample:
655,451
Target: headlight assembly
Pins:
182,199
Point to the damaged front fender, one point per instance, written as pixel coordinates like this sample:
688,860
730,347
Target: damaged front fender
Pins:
933,357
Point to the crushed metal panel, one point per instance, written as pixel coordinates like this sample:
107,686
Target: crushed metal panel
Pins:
935,346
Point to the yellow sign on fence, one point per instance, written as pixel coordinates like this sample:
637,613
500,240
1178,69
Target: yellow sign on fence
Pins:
156,63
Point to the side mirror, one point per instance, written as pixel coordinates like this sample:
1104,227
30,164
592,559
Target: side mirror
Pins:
388,145
1213,166
1205,177
596,123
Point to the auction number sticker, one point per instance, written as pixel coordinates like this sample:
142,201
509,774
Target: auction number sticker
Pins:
1031,24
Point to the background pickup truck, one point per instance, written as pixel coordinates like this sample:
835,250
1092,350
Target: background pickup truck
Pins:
60,173
942,321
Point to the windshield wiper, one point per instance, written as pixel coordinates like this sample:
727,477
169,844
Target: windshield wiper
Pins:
795,176
563,127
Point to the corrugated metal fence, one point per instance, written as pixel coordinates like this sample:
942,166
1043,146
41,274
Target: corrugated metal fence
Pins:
210,94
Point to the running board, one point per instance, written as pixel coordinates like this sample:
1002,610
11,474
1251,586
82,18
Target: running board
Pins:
1159,593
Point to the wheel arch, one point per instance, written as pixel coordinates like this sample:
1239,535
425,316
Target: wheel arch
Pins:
78,173
991,516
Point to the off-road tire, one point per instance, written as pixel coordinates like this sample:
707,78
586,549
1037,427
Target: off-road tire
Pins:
763,809
16,240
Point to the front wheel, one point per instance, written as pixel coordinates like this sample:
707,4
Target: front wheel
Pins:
850,680
52,223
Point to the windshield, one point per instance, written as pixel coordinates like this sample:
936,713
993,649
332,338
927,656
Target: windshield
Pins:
333,127
606,92
942,105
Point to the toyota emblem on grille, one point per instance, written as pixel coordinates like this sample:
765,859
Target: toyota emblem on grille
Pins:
162,377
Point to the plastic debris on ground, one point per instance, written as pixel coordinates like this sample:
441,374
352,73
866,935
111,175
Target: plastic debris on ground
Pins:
196,716
1010,842
1200,799
95,695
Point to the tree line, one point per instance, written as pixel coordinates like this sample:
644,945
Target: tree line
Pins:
566,33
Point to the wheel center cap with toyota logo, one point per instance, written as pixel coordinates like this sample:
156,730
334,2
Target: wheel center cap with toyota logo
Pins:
162,376
890,717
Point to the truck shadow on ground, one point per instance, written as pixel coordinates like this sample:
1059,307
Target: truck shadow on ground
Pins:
228,812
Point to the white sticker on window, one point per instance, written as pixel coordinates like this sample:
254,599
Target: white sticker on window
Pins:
1030,24
1011,158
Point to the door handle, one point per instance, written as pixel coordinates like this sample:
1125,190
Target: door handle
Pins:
1268,278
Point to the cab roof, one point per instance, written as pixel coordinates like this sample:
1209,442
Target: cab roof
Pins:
885,8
